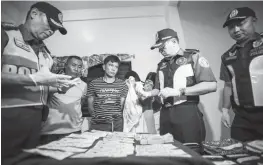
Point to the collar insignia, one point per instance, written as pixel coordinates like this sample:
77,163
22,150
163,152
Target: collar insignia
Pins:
231,54
257,43
163,65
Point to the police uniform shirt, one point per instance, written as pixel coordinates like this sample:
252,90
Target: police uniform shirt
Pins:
237,67
183,71
23,54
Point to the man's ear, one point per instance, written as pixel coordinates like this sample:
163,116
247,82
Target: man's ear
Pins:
34,12
103,66
254,21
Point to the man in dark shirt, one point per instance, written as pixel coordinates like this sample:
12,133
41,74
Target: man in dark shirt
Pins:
26,76
241,70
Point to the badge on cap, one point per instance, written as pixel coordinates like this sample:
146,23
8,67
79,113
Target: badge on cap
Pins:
60,17
203,62
233,13
181,61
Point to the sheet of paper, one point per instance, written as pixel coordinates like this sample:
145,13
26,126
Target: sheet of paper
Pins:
59,155
225,162
63,148
166,150
108,149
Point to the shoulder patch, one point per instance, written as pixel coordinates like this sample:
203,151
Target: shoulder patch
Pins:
203,62
9,26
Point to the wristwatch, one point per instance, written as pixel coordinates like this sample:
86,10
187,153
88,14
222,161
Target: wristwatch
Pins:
60,91
182,91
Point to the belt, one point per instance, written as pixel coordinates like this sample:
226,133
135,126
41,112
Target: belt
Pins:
38,107
169,105
249,107
169,102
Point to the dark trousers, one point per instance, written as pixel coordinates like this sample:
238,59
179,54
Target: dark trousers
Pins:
20,129
184,122
117,125
247,124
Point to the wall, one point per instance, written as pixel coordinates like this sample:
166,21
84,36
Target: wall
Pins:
109,30
202,25
11,13
115,30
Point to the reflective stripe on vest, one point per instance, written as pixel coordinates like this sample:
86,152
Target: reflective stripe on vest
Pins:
256,74
19,58
179,81
161,80
234,87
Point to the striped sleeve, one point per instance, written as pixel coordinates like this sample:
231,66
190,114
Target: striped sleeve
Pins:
91,90
124,89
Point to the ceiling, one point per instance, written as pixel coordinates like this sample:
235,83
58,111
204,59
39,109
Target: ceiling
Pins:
75,5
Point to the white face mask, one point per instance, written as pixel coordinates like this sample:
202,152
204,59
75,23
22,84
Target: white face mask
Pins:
171,48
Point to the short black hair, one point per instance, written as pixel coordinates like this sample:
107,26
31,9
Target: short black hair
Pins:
112,58
71,57
151,76
133,74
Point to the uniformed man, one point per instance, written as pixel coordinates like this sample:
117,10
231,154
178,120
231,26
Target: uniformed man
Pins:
25,77
182,76
242,71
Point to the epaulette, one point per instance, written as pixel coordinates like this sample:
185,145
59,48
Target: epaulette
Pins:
192,51
9,26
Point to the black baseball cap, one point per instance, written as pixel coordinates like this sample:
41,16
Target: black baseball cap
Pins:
239,14
162,36
54,15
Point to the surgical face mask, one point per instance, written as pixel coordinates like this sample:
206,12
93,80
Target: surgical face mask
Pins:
171,48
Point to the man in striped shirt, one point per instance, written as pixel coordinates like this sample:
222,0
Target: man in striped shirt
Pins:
106,96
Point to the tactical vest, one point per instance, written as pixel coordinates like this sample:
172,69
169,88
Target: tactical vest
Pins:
178,72
19,58
246,74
